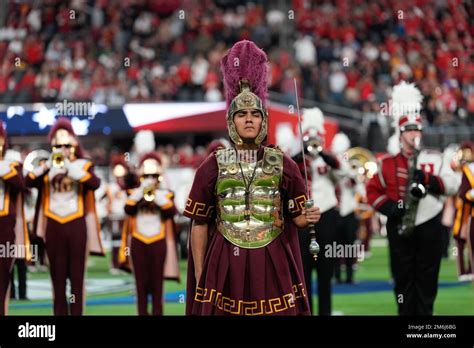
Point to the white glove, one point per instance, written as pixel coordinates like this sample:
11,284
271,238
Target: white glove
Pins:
38,171
75,170
5,167
48,163
137,194
160,198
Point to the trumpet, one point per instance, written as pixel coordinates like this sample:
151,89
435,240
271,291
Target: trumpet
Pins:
149,193
312,144
58,160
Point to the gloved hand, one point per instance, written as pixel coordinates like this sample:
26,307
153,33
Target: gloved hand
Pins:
137,194
420,176
75,169
329,159
4,167
392,209
418,191
160,198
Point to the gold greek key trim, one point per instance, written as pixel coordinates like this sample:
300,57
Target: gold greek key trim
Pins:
198,208
257,307
299,204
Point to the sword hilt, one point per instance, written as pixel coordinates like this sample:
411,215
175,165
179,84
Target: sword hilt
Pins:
313,244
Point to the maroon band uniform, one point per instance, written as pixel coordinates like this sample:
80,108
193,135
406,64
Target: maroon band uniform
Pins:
66,218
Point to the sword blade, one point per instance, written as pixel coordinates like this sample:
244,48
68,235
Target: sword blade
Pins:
301,138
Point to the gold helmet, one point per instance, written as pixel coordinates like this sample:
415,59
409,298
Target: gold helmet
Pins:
150,164
245,72
62,135
119,170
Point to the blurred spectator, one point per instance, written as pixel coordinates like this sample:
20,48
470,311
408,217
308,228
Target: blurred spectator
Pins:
347,52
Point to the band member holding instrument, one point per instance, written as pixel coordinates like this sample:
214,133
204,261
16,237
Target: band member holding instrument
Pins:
246,203
116,193
352,167
65,215
323,176
148,239
13,231
463,228
415,237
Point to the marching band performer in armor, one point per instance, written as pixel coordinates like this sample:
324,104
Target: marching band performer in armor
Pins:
148,238
65,215
463,228
323,177
245,204
409,190
13,231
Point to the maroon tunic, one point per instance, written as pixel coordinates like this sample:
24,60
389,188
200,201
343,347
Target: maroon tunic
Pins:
263,281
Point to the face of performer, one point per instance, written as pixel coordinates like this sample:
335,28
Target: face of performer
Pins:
408,140
247,124
151,179
66,150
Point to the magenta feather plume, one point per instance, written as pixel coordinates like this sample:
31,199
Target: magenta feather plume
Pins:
245,61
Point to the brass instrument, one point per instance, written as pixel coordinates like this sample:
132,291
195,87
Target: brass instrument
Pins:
58,160
362,161
149,193
415,192
312,144
34,158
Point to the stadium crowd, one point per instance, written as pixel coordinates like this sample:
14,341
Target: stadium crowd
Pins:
347,52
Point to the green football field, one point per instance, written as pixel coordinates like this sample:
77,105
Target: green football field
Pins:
371,295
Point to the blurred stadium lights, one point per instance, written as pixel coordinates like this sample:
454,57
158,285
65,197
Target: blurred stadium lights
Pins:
15,111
